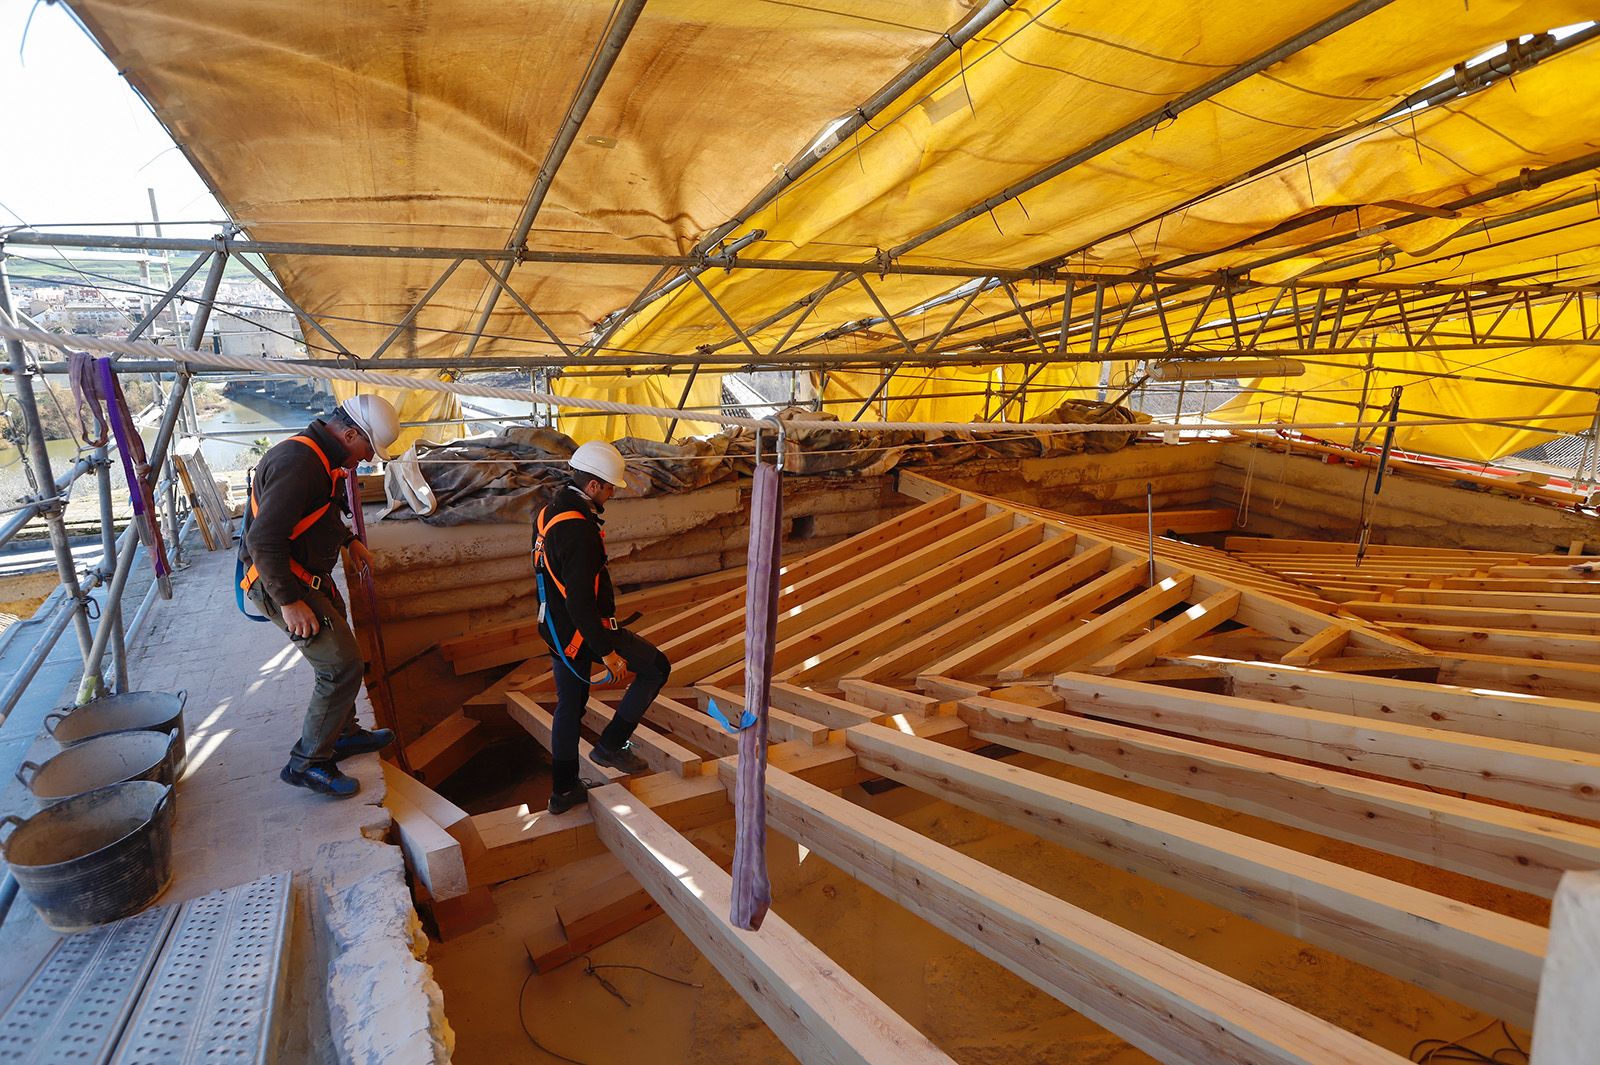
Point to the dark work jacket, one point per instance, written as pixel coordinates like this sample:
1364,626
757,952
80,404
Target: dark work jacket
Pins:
575,551
289,485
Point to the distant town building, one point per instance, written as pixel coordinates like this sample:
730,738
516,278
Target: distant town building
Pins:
264,334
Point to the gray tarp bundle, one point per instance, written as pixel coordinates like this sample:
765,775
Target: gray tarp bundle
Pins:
507,478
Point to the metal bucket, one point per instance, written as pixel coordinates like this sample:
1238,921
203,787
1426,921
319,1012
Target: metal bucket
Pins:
108,759
96,857
127,712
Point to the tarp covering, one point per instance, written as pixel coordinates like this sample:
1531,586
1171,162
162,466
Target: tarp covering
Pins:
508,478
353,122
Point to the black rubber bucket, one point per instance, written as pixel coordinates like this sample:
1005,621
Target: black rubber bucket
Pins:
96,857
101,761
127,712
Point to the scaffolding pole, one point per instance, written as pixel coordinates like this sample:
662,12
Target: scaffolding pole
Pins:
39,463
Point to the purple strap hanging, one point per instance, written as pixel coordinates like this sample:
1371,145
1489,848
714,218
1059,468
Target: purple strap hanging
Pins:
134,464
752,892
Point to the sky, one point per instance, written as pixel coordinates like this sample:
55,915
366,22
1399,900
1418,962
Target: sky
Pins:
84,147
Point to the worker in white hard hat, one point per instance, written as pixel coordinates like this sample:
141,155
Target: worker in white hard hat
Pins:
577,605
294,531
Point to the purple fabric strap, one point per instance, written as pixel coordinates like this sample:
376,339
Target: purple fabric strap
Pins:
752,892
131,449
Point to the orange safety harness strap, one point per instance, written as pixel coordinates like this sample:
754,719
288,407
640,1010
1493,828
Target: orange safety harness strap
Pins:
541,567
334,476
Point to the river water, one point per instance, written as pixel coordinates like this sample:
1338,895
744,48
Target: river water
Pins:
257,414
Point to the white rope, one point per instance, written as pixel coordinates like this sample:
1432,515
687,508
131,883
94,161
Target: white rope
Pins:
205,360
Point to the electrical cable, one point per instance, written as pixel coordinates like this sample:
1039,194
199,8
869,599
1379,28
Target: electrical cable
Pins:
589,969
1455,1050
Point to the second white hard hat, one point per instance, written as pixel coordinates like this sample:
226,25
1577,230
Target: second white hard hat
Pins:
377,418
603,460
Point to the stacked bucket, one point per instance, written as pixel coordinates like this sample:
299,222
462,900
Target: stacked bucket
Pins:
100,847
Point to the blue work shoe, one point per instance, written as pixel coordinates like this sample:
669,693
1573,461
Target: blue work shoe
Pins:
362,741
321,777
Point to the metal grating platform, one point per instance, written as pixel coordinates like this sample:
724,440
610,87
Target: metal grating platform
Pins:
78,1000
213,994
191,983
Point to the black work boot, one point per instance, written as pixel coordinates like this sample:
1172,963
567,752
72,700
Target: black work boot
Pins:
623,758
321,777
562,801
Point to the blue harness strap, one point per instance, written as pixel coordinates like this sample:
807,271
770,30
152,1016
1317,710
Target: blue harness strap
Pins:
238,564
238,591
555,641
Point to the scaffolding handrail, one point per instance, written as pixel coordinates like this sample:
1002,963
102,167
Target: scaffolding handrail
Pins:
204,360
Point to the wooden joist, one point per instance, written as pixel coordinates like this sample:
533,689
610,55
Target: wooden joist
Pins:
1560,723
886,700
722,620
920,634
520,840
1544,778
1170,635
817,601
605,903
1577,680
663,755
823,709
446,747
827,638
540,724
812,1005
1202,520
1516,849
781,724
1083,643
1156,999
1324,644
1465,952
1046,615
691,726
1273,545
444,851
1541,646
1455,597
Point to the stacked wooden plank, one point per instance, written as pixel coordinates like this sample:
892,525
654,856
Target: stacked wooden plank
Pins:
212,513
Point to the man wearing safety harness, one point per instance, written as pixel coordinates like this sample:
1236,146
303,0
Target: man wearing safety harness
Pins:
576,604
293,534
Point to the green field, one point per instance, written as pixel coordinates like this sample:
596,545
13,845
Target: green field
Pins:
41,264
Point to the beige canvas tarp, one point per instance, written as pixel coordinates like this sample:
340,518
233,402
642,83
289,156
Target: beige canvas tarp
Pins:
351,122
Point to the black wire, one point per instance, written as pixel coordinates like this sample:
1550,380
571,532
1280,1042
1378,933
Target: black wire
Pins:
522,1019
591,969
1456,1050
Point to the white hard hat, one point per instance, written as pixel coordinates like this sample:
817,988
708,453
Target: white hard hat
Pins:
602,460
376,417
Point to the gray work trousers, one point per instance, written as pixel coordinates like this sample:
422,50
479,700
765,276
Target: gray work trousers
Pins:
336,658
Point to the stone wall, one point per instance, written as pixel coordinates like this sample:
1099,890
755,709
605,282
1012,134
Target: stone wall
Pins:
437,583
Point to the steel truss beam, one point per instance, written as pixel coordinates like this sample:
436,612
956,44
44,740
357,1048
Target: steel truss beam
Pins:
588,91
877,268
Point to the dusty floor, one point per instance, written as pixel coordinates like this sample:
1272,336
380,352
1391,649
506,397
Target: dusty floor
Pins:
974,1009
236,821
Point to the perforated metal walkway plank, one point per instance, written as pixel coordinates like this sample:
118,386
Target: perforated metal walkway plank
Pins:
196,982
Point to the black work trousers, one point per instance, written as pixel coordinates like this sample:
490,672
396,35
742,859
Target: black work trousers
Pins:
649,668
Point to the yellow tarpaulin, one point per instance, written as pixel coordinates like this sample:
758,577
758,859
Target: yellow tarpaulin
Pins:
1254,149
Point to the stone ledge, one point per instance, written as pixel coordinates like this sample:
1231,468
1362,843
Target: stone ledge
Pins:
383,1004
